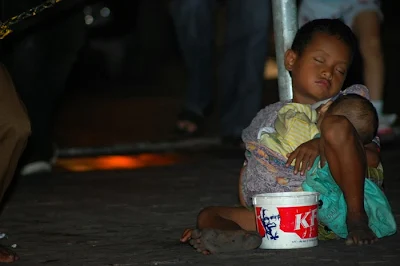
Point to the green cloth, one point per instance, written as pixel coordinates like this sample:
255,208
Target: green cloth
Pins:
333,210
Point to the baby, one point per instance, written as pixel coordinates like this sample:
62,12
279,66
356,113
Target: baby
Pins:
298,123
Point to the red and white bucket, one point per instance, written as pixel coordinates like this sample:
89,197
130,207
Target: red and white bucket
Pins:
287,220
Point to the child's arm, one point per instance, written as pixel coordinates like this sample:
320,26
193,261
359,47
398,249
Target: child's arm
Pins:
308,151
372,152
304,155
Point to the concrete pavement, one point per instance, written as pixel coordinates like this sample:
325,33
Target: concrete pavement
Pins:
135,217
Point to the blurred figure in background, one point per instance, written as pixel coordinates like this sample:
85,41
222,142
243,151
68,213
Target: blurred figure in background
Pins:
14,133
364,17
240,75
40,59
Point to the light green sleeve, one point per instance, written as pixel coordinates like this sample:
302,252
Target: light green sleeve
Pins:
296,122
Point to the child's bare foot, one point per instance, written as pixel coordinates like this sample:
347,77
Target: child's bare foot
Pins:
209,240
359,231
7,255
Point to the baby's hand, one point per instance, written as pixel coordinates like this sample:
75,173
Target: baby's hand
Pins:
304,156
321,110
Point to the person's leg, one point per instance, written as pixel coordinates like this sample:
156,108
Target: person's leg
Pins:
227,218
223,229
40,64
14,133
194,24
317,9
241,71
14,130
367,27
347,161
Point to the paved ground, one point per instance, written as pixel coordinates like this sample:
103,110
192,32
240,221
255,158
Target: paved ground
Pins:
136,217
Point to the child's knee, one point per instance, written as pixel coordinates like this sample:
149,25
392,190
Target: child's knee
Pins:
336,129
204,216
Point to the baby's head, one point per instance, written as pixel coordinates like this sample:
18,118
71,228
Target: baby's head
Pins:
320,56
359,111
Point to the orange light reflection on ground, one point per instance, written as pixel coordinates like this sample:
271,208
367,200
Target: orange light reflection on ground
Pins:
117,162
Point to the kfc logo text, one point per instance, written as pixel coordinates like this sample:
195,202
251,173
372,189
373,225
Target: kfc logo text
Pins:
301,220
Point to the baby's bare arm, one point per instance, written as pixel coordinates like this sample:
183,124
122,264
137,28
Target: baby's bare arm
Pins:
372,153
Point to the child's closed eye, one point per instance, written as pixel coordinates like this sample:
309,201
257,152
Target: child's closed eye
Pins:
318,59
341,71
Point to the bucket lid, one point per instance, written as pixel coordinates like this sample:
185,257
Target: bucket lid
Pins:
286,198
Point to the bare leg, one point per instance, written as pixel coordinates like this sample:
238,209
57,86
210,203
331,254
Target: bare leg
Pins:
223,229
227,218
366,26
347,161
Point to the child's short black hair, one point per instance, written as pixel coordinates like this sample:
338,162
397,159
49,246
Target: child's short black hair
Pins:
360,112
333,27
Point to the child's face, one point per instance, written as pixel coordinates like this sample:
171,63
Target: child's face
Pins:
319,72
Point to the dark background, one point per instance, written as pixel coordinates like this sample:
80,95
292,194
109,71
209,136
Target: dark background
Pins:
128,83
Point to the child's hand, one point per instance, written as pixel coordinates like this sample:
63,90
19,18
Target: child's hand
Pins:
304,155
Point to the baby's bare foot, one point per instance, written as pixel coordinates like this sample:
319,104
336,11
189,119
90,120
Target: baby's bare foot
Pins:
210,240
359,231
